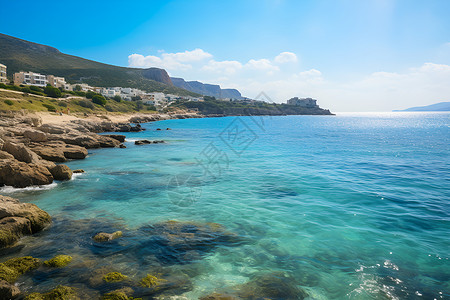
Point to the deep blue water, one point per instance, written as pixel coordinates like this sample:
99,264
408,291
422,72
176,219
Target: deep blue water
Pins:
353,206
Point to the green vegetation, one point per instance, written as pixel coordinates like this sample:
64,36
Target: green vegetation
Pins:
52,91
114,277
99,99
59,293
49,107
13,268
117,98
212,106
58,261
9,102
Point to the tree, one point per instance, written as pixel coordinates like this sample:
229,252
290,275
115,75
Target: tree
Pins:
90,94
137,98
99,99
77,88
139,105
117,98
52,91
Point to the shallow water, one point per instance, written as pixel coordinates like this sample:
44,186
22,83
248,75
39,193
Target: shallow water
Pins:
354,206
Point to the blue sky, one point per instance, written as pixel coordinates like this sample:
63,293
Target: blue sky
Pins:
351,55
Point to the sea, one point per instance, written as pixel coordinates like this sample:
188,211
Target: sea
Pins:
351,206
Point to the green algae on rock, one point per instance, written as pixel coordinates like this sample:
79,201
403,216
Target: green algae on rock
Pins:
58,261
151,281
114,277
59,293
13,268
105,237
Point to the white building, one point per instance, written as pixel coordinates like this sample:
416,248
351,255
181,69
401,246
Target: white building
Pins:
30,78
303,102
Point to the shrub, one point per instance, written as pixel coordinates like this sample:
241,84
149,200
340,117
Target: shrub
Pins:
117,98
90,94
9,102
99,99
3,86
52,92
25,89
62,104
80,93
77,88
109,107
35,88
86,104
49,107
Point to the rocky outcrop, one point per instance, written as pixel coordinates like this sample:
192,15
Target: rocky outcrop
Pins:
105,237
8,291
20,174
61,172
35,135
145,142
18,219
20,152
119,137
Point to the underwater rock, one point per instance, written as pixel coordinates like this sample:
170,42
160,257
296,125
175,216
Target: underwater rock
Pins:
58,261
114,277
275,286
59,293
61,172
8,291
151,281
18,219
105,237
217,296
11,269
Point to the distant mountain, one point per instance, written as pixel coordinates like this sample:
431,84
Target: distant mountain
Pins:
442,106
20,55
206,89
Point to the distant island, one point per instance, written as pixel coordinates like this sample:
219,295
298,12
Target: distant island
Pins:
441,106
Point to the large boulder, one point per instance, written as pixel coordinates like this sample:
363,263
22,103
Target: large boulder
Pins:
19,174
106,141
119,137
5,155
18,219
59,151
52,128
20,152
61,172
35,135
75,152
55,154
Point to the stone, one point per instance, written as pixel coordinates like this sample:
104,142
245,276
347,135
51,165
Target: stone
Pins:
122,146
12,229
5,155
107,142
218,296
142,142
20,152
105,237
35,135
61,172
114,277
8,291
11,269
75,152
50,153
119,137
19,174
58,261
52,128
59,293
78,171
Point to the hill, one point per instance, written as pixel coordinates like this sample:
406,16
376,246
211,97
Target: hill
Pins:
206,89
20,55
442,106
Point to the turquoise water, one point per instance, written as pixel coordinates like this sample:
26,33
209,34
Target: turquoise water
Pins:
353,206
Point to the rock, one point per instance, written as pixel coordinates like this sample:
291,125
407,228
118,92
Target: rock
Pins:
14,267
35,136
50,153
217,296
122,294
75,152
158,142
11,207
52,128
59,293
158,129
168,129
8,291
32,120
61,172
19,174
82,140
119,137
105,237
58,261
5,155
20,152
142,142
114,277
12,229
150,281
122,146
106,141
78,171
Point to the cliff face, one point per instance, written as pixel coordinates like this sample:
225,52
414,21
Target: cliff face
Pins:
156,74
206,89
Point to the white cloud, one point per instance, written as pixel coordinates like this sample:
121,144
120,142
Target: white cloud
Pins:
281,79
286,57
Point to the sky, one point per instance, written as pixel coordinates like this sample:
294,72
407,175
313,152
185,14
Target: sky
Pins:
371,55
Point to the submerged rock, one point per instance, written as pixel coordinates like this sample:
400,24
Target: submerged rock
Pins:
78,171
8,291
18,219
142,142
114,277
122,294
151,281
58,261
219,296
13,268
59,293
105,237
